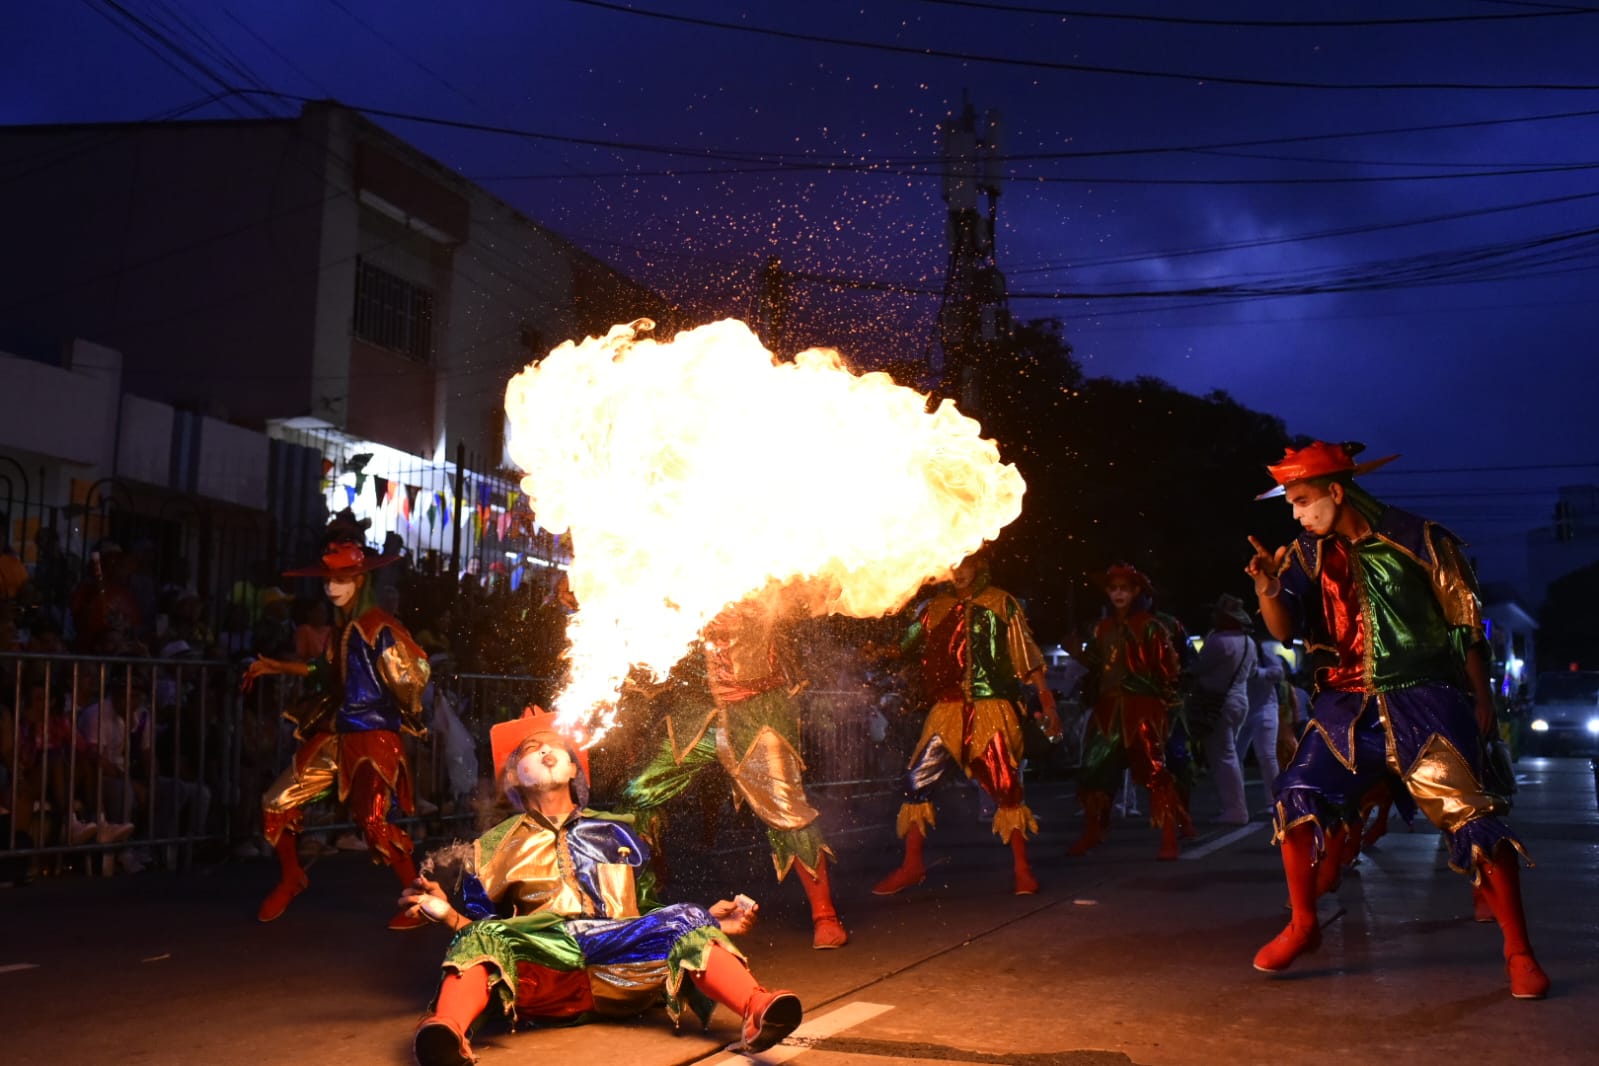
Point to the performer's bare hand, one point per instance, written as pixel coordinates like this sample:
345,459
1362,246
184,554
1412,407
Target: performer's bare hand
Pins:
1264,567
1487,718
424,898
260,666
734,919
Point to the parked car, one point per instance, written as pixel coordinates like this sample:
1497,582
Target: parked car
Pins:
1565,713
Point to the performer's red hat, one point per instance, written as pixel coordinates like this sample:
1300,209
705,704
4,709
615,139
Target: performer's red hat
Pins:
1319,459
504,737
1125,572
343,560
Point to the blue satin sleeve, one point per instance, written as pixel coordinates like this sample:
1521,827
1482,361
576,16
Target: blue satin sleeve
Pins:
593,841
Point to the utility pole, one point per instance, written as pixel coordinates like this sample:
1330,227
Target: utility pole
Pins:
973,318
774,306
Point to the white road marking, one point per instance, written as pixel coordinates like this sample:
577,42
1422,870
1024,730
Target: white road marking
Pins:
15,966
800,1040
1222,841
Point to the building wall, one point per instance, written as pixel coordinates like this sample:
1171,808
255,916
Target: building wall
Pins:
192,248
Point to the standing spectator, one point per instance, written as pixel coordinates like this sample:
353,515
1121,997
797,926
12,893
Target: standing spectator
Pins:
13,575
312,635
1220,686
105,613
1259,731
273,632
52,575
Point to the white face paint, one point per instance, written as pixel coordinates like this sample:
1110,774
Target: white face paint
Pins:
341,590
1314,508
964,576
543,767
1121,594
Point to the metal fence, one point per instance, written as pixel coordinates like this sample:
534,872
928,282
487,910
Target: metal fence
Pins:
133,761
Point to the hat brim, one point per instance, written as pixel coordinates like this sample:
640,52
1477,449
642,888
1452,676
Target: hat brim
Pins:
369,563
1355,471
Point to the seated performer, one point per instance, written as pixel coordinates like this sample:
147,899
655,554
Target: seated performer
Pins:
558,920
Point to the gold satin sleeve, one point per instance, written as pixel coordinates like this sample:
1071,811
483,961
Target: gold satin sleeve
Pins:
1454,584
406,672
617,889
1024,651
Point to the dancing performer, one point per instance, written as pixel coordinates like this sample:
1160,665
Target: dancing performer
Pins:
976,652
1137,669
1388,603
744,718
555,918
369,688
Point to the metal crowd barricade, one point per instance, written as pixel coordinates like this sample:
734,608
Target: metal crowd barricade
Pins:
107,756
106,753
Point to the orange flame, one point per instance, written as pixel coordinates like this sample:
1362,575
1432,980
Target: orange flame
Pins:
695,472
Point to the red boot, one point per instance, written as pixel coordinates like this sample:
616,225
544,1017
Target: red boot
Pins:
1303,934
1330,869
291,877
911,871
828,931
1501,886
1096,819
1026,883
1166,811
768,1016
1481,910
441,1036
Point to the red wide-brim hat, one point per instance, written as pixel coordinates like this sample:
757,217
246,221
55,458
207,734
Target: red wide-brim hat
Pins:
1125,572
1319,459
343,559
506,736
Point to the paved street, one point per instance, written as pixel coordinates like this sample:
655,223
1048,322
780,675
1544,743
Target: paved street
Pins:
1118,960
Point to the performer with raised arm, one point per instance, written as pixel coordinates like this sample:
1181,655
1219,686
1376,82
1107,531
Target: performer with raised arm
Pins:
732,705
1387,606
366,691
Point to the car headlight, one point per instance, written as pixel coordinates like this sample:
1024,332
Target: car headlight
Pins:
1593,726
1540,726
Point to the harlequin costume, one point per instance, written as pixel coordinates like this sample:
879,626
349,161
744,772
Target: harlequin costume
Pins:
1137,669
564,927
1393,619
370,690
976,649
740,714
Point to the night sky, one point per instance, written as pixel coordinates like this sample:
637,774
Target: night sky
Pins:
1380,222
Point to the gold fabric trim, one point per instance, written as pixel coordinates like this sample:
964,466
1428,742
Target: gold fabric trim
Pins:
770,777
990,718
615,882
1008,820
1454,585
1446,790
680,752
294,789
919,815
406,674
627,988
529,860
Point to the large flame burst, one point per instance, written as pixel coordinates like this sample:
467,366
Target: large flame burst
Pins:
695,472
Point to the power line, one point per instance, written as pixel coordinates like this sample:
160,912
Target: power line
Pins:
1079,68
1289,24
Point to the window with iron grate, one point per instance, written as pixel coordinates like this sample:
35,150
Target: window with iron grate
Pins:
393,313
